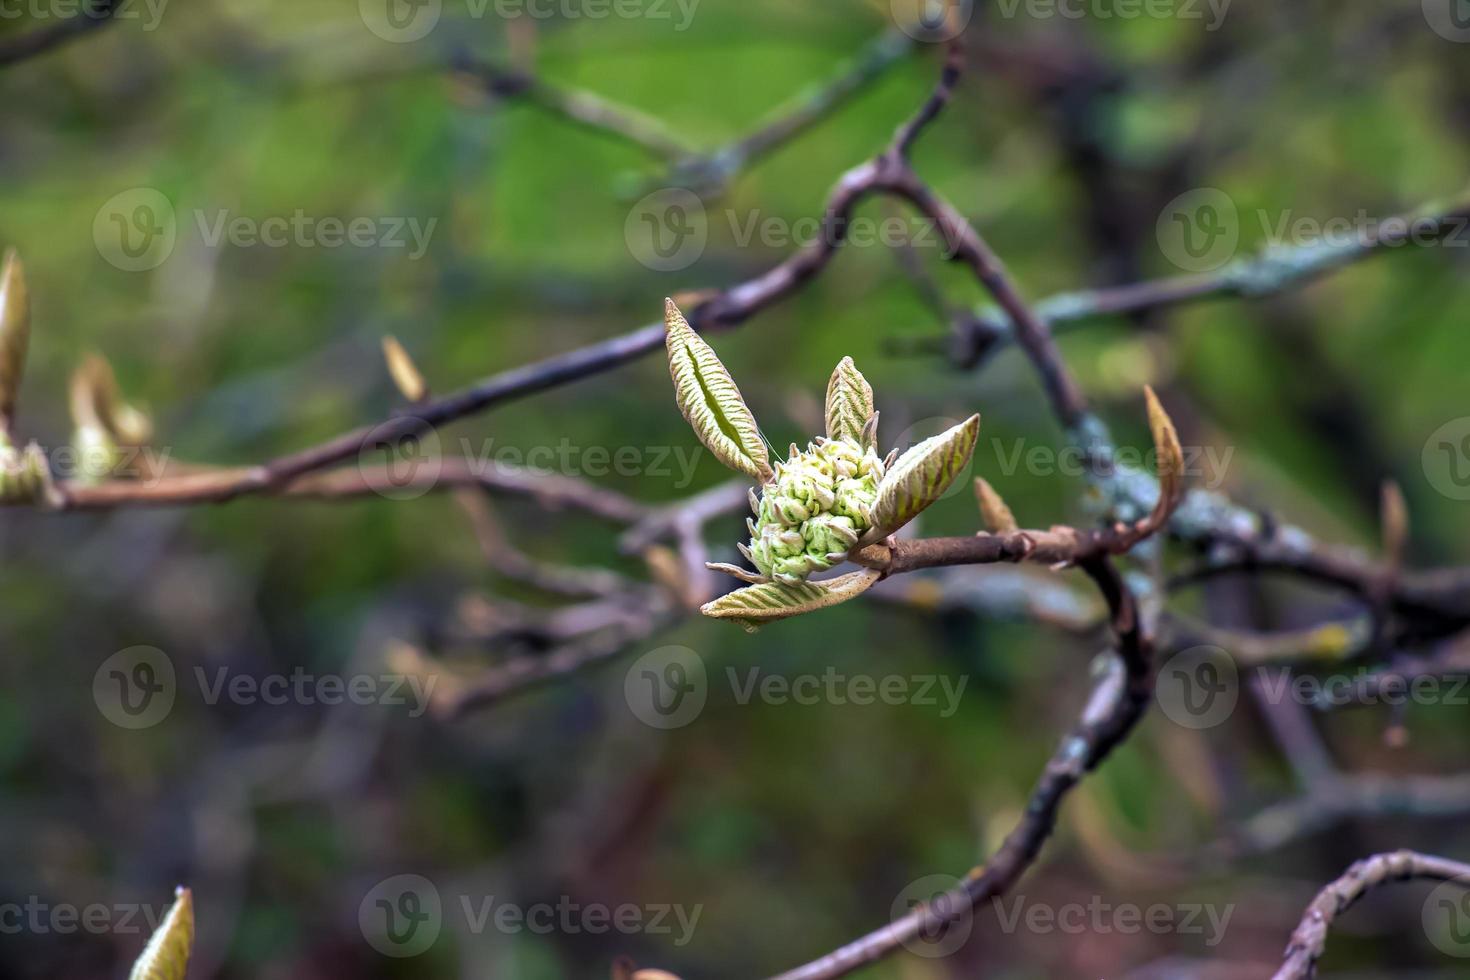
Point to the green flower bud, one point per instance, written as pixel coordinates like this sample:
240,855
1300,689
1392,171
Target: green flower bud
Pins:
815,508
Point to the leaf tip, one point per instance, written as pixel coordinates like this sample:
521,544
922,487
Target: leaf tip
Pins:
405,373
993,508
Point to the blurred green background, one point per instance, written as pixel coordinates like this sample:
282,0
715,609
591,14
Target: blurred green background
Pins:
792,827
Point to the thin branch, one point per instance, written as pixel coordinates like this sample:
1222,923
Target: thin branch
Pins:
1337,799
1268,273
578,106
30,44
553,490
711,172
1310,938
1114,708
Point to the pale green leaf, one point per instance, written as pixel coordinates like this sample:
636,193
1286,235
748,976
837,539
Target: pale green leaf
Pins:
709,399
922,475
166,956
849,403
773,600
15,333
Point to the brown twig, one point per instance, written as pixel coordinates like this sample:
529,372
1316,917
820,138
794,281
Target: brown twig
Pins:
1115,706
1310,938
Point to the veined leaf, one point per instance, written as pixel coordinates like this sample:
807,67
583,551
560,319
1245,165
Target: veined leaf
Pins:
920,476
772,601
166,957
709,399
849,403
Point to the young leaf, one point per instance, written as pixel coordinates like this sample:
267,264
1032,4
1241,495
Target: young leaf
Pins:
849,402
15,334
993,508
405,373
772,601
711,402
920,476
1171,461
166,957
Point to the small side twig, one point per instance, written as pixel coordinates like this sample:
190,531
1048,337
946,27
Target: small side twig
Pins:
1310,938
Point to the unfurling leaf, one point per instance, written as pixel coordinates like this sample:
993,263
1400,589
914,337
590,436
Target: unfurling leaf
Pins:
405,373
15,334
993,509
709,399
1171,461
922,475
166,957
773,600
849,404
97,402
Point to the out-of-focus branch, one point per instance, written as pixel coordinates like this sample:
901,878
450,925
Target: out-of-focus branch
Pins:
89,17
1338,798
578,106
1310,938
710,173
1273,271
1113,709
553,490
